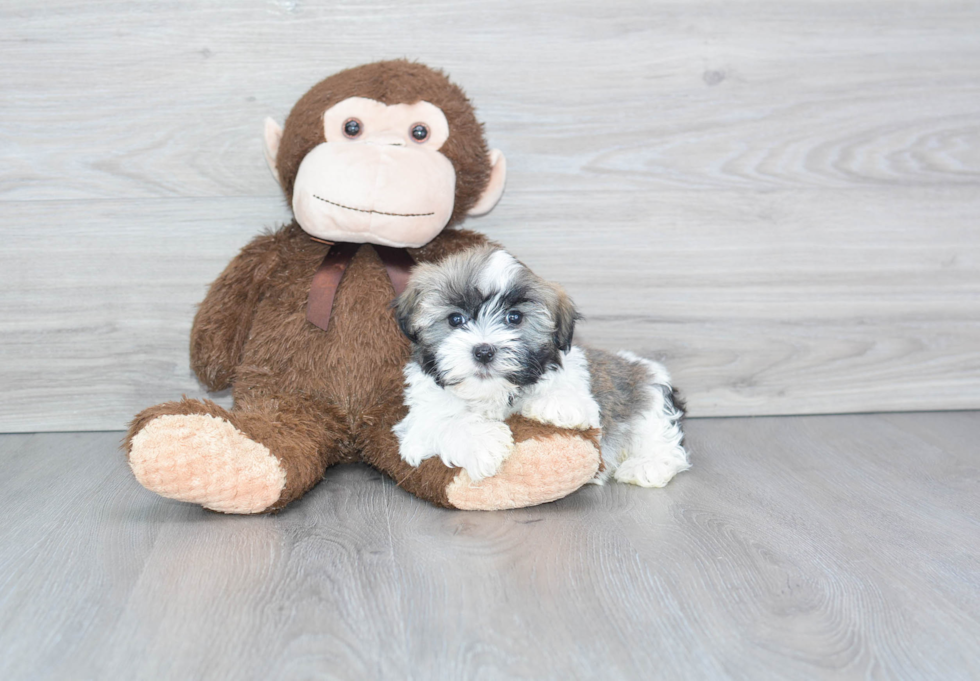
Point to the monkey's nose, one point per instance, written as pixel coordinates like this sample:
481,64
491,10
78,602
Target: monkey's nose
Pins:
484,353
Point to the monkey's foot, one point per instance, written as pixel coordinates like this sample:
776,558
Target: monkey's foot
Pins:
205,460
546,464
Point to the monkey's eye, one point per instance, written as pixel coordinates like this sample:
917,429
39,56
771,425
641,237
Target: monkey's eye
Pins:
456,319
420,132
514,317
352,128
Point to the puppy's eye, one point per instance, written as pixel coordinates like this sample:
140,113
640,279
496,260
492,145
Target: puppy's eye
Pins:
420,132
514,317
456,319
352,128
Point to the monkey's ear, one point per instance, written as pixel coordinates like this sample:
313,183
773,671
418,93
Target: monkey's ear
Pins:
565,317
495,187
273,136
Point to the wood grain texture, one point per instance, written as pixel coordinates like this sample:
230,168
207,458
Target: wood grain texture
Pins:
779,200
796,548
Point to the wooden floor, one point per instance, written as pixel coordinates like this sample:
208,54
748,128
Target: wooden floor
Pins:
796,548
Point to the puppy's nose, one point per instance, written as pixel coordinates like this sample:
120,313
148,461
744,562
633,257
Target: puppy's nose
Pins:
484,353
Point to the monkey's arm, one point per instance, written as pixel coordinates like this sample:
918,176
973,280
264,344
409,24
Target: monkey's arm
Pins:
224,319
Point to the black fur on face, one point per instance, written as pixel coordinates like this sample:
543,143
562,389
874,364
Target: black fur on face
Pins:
473,299
535,362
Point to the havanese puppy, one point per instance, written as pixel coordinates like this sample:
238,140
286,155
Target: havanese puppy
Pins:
491,339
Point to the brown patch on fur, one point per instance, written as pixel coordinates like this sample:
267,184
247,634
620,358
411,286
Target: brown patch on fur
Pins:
392,82
618,385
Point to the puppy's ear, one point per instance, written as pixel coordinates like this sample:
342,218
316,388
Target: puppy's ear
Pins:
565,316
404,305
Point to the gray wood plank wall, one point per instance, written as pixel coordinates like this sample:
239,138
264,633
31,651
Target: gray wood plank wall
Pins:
778,199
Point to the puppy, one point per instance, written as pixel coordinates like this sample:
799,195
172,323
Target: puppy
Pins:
491,339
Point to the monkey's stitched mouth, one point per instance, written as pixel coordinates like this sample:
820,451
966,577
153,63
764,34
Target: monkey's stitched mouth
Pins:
376,212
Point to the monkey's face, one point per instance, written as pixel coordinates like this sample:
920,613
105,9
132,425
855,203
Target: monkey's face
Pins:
387,153
379,176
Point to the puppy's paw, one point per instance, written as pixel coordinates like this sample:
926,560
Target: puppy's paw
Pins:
413,451
479,448
578,411
414,443
653,470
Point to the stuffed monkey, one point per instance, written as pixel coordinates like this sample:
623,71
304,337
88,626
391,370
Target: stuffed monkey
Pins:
378,163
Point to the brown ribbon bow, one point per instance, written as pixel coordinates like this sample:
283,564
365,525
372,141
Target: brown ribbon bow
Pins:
398,263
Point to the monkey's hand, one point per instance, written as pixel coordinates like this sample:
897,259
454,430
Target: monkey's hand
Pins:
546,463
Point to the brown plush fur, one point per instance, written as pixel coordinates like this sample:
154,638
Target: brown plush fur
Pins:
316,398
